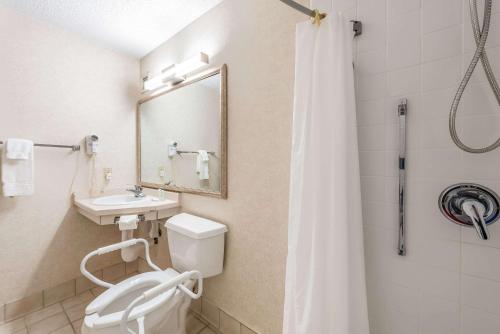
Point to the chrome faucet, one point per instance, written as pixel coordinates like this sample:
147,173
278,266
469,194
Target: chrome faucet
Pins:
137,190
471,205
476,210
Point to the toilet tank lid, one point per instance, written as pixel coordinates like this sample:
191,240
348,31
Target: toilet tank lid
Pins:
195,227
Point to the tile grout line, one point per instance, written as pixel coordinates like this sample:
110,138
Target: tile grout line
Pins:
67,317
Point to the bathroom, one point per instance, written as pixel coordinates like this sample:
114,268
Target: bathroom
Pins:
304,240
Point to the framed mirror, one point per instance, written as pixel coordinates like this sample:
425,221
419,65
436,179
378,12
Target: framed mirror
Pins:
182,136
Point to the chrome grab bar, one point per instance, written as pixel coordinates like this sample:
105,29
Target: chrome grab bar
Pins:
402,111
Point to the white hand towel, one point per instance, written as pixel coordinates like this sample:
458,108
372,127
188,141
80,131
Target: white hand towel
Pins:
202,165
17,173
128,222
18,148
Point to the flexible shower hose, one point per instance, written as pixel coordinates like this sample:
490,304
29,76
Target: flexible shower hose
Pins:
480,36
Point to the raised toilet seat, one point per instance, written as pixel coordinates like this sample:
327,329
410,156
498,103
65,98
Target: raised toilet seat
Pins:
152,302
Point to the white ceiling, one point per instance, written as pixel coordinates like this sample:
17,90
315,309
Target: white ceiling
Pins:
132,26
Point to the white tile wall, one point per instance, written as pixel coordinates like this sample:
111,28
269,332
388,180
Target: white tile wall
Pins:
419,49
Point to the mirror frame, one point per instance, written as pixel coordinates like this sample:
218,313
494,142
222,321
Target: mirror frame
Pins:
222,193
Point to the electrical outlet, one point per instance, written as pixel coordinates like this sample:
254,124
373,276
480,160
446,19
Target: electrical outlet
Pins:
108,174
161,171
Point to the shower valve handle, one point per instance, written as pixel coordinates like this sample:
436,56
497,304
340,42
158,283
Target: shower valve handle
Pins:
476,210
470,205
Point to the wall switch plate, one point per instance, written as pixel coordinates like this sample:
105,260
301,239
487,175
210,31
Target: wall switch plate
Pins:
161,171
108,174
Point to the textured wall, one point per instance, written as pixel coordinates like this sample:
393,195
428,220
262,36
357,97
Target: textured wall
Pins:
449,282
256,40
56,88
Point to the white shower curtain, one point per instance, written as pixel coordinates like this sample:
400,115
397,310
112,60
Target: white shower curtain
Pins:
325,289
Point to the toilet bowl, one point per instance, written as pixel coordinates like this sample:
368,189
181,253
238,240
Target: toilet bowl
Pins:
164,314
157,302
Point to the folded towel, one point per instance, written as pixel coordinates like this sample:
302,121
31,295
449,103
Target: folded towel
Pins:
17,173
202,165
128,222
18,148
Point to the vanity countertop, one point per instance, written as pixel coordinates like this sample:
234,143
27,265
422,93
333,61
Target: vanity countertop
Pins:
103,214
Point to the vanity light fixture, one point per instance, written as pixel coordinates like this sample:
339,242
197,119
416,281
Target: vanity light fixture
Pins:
176,73
191,65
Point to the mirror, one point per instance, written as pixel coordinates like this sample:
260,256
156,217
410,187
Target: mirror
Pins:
182,136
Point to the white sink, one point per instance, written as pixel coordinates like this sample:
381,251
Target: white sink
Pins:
119,200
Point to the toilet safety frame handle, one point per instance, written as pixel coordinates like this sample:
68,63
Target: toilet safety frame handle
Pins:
177,282
112,248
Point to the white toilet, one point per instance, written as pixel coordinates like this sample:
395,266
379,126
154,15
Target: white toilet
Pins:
157,302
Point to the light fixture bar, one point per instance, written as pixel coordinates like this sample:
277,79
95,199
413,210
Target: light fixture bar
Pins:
176,73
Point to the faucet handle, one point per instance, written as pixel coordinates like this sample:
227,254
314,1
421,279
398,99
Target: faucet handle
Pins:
476,210
470,205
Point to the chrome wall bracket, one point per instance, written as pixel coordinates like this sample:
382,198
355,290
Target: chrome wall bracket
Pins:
470,205
357,26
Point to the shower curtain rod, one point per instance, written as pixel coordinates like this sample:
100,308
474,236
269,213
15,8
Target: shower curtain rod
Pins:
316,15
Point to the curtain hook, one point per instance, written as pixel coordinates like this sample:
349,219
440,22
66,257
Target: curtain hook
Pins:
318,16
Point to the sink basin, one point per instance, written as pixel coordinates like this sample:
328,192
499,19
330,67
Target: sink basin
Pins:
104,209
119,200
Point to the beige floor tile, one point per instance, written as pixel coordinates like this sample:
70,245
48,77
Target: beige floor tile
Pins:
193,325
142,265
43,314
84,284
65,330
229,325
59,292
97,291
246,330
13,326
83,298
77,326
210,312
22,331
207,331
131,267
49,325
113,272
196,305
2,313
76,312
23,306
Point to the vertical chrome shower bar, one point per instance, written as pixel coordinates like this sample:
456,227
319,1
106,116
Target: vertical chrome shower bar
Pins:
402,111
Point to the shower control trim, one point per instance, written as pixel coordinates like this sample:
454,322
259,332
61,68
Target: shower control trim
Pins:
470,205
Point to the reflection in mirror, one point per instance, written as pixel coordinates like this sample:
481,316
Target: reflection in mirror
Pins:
182,137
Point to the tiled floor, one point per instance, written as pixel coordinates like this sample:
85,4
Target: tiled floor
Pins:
66,318
195,326
60,318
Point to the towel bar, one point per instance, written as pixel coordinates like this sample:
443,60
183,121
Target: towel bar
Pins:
74,148
194,152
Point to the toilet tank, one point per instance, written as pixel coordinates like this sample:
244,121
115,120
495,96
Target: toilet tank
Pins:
196,243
